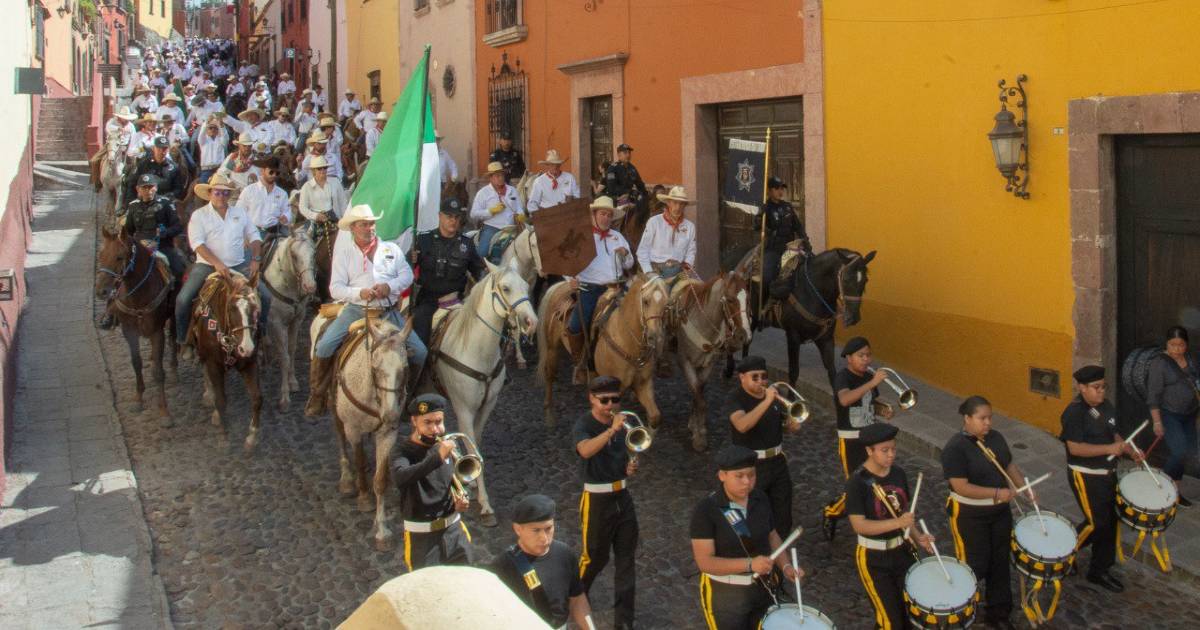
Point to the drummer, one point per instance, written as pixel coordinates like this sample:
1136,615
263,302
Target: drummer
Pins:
732,534
882,557
1089,431
978,506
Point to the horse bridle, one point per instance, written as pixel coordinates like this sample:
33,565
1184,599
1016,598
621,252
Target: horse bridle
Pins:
842,297
729,311
510,308
645,348
376,388
119,301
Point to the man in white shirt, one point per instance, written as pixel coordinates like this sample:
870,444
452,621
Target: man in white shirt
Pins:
266,203
668,244
285,86
143,101
234,88
333,133
212,142
366,118
121,127
318,145
144,138
608,267
376,132
218,233
553,186
349,107
281,128
318,97
367,273
177,135
306,120
170,105
238,169
449,169
200,113
497,205
260,97
322,197
251,121
157,81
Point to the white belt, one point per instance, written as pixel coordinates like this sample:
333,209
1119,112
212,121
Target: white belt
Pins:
969,501
425,527
770,452
848,435
1088,471
880,545
737,580
603,488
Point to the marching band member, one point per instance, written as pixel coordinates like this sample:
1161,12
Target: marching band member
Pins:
980,518
434,533
758,424
611,261
609,522
854,401
541,571
496,205
882,556
733,531
668,244
553,186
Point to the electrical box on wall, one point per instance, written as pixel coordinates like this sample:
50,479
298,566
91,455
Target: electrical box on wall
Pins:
1045,381
29,81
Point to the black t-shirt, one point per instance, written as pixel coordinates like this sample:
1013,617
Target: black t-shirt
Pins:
962,458
608,465
861,499
861,409
424,482
766,433
1086,424
717,519
558,573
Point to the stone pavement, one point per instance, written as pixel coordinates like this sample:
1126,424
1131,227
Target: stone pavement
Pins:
74,547
929,425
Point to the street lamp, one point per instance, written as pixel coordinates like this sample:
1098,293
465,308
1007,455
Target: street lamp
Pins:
1010,139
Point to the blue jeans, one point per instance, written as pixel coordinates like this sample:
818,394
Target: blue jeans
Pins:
205,175
589,294
1180,436
191,288
333,336
485,240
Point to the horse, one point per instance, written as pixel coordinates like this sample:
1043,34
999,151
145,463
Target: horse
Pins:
325,236
523,255
235,105
286,177
456,190
629,342
466,366
290,275
354,160
633,224
111,172
524,185
825,286
224,318
139,286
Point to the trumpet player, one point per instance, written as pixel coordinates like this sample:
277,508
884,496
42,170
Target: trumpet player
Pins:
758,424
608,520
434,533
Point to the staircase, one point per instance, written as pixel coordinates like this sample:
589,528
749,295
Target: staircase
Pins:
62,127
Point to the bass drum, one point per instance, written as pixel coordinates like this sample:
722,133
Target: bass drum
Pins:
1135,371
788,617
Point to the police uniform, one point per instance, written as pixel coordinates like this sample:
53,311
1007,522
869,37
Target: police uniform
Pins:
783,227
609,522
982,528
850,420
765,438
434,533
156,220
511,160
548,582
444,264
622,180
170,180
738,601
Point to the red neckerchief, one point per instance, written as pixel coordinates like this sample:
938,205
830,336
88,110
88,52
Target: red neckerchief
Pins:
674,226
500,190
553,181
368,251
603,235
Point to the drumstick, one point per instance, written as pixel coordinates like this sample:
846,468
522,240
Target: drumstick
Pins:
786,541
1029,484
588,619
1146,466
1129,440
936,554
912,506
987,452
1152,445
1038,510
796,580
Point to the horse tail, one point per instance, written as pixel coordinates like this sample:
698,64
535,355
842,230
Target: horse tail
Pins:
542,373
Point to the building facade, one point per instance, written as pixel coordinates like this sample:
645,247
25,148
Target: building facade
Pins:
296,57
156,16
327,39
70,49
373,49
114,32
216,22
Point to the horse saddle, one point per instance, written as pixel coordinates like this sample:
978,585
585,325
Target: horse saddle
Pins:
501,240
676,300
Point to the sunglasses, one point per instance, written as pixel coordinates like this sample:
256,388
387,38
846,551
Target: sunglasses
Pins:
219,193
758,376
608,400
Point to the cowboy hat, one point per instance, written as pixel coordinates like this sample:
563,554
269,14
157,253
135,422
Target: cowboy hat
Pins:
306,92
318,161
677,193
316,137
374,101
147,118
283,110
219,182
494,167
326,121
284,75
347,91
552,158
251,110
211,87
361,212
165,116
245,140
381,116
124,114
604,202
170,97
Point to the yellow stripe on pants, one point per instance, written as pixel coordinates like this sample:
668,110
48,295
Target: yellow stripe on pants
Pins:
1081,489
465,530
881,617
706,602
585,505
408,549
842,454
960,547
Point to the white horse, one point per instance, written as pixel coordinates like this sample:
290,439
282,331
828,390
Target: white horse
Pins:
112,170
523,254
468,360
524,185
290,276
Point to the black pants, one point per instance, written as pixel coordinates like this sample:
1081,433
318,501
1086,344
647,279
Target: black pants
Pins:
175,261
982,537
853,454
732,606
774,478
610,524
1097,499
882,574
448,546
772,258
422,315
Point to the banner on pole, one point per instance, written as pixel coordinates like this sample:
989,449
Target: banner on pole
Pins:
745,177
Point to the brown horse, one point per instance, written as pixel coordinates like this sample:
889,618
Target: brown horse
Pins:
354,160
140,289
457,191
286,176
324,237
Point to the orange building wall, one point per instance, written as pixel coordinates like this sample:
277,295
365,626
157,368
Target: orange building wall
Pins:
664,44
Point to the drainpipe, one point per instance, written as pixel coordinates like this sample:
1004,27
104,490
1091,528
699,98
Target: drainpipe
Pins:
331,82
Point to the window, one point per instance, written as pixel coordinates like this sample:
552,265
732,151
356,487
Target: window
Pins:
420,4
162,7
303,9
503,14
40,33
373,78
508,92
151,3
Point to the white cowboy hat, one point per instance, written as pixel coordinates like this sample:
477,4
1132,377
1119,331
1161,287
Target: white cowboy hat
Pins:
552,158
219,181
605,202
318,161
316,137
381,116
170,97
347,91
251,110
245,140
283,110
124,114
284,75
374,101
361,212
677,193
494,167
325,120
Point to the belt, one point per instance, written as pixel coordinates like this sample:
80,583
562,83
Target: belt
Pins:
588,286
603,488
425,527
848,435
880,545
770,452
737,580
969,501
1089,471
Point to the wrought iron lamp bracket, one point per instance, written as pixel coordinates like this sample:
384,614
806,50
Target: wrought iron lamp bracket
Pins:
1018,182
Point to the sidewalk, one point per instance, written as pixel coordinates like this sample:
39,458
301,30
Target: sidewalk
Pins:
929,425
74,547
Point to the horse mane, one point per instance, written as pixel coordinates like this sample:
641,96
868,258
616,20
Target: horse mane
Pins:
699,295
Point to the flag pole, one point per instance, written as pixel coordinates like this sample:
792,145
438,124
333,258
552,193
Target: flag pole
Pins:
762,231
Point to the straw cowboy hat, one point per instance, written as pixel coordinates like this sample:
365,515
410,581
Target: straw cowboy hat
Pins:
318,161
361,212
283,110
170,97
552,158
251,110
218,182
605,202
306,92
147,118
316,137
284,75
245,140
349,91
677,193
326,121
374,101
210,87
494,167
124,114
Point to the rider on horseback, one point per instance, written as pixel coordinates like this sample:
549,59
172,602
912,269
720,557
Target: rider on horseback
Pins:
265,202
162,167
606,269
622,181
783,227
668,244
497,206
446,260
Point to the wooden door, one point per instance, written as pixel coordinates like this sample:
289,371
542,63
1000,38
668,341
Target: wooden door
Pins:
598,121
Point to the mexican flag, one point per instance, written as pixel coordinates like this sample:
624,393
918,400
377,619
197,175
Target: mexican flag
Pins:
177,88
402,179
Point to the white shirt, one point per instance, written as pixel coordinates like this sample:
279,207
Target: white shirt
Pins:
487,197
200,113
603,268
351,271
212,150
173,111
318,99
347,109
365,119
316,199
242,179
265,207
176,134
123,130
261,99
285,87
145,101
258,133
660,242
543,194
282,131
335,165
138,141
235,88
448,167
373,135
305,122
225,238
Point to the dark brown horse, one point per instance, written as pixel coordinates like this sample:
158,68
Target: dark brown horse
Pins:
456,190
633,223
140,289
324,237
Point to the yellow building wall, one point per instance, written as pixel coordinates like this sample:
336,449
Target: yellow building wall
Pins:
160,21
373,43
972,286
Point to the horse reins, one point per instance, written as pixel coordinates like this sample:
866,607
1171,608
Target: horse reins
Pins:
646,351
375,386
119,301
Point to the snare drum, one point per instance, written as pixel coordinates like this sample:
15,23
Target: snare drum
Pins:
1043,555
1144,505
932,602
787,617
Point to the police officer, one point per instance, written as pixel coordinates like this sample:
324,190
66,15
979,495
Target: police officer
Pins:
622,181
733,531
162,167
446,259
783,227
758,424
609,522
509,158
1089,433
541,571
434,533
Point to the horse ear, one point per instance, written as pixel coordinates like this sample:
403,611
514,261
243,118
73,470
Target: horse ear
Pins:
107,233
491,268
869,257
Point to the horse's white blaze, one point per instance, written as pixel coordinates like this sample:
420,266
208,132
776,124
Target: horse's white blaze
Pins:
860,275
246,344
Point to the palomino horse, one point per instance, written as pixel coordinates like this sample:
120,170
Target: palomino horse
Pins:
466,362
629,344
290,276
823,287
140,289
224,317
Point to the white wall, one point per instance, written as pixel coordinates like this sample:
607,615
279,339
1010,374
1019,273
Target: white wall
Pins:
16,113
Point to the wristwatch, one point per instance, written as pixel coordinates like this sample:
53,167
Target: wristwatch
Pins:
258,259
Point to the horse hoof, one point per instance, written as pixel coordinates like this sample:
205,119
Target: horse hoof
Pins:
366,504
488,519
136,407
283,405
387,543
346,488
215,419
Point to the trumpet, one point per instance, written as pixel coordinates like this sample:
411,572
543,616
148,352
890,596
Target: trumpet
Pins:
468,462
637,436
795,406
907,395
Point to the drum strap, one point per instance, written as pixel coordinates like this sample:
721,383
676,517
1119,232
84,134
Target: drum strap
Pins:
1033,606
537,593
1158,547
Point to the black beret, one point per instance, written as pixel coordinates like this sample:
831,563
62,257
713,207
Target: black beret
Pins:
854,345
734,457
873,434
775,182
426,403
147,180
624,147
752,363
605,385
1088,374
534,508
452,207
161,142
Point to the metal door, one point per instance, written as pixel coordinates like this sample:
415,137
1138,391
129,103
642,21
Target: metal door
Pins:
600,140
